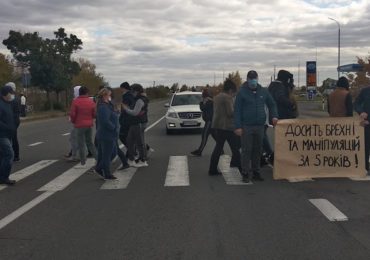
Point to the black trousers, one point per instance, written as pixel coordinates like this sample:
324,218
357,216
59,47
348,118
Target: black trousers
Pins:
222,136
367,146
205,133
15,144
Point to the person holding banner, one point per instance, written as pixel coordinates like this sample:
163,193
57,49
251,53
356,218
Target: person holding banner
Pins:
249,120
340,100
362,107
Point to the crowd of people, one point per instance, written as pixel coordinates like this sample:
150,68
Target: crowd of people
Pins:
125,122
239,117
242,118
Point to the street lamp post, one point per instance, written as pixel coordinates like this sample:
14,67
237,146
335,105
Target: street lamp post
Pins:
338,42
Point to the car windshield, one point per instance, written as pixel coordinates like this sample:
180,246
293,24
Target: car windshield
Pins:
183,100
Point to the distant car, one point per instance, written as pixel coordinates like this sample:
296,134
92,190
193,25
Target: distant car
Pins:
184,112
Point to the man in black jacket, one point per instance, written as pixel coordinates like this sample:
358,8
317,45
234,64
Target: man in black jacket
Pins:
362,107
7,129
16,107
280,90
125,119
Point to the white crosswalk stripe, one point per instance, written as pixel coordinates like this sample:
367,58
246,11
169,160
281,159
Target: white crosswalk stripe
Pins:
329,210
123,179
232,176
28,171
66,178
177,172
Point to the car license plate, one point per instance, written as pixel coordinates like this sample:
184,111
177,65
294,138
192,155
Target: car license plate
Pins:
190,123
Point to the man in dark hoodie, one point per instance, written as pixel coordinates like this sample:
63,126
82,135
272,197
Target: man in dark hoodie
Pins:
281,90
362,107
125,119
249,120
16,107
7,129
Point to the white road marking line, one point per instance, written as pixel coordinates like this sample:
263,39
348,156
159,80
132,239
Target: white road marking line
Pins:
177,172
231,176
329,210
65,179
123,179
66,134
299,179
19,212
154,124
35,144
21,174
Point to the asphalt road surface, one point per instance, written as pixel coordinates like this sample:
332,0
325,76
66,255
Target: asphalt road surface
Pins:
172,209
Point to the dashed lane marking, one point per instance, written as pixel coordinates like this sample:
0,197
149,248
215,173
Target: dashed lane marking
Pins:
177,172
329,210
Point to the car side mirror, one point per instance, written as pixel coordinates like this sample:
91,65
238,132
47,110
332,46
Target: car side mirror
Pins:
167,105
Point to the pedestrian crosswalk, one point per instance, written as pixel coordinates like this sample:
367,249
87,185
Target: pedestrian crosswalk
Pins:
176,175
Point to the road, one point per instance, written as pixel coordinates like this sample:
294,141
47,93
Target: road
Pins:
72,217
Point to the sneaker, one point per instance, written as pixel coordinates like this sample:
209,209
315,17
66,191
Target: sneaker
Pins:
141,164
196,153
72,159
131,163
7,182
110,177
149,152
245,178
257,177
81,166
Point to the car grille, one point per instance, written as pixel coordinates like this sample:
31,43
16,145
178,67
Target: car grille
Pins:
190,115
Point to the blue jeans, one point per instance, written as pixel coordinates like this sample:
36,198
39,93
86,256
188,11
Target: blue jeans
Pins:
107,150
6,158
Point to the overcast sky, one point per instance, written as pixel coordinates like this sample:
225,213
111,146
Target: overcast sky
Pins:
190,41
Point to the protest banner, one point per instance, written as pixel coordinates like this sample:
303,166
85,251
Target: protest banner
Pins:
319,148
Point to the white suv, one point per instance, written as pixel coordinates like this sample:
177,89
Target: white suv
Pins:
184,112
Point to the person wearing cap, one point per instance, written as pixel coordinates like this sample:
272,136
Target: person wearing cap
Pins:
281,91
7,129
362,107
340,100
16,107
249,120
138,123
125,119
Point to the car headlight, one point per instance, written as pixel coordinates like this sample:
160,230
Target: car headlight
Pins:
172,114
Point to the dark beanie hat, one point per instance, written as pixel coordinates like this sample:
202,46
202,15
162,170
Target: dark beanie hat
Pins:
137,88
284,75
125,85
343,82
6,90
252,74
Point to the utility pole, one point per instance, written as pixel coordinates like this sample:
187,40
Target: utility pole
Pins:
338,44
299,73
274,72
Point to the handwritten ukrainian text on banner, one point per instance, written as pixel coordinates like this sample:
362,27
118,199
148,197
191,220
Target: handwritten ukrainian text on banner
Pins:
318,148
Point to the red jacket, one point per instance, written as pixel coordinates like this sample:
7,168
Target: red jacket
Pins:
83,112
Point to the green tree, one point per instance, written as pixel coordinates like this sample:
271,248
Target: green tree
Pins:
235,77
184,88
6,70
48,60
174,87
88,76
361,79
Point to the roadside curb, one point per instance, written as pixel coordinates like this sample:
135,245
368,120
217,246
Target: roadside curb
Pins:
32,118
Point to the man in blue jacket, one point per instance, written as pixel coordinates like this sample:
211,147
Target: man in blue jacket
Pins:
7,129
249,118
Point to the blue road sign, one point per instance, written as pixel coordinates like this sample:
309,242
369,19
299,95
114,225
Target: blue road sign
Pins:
350,68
